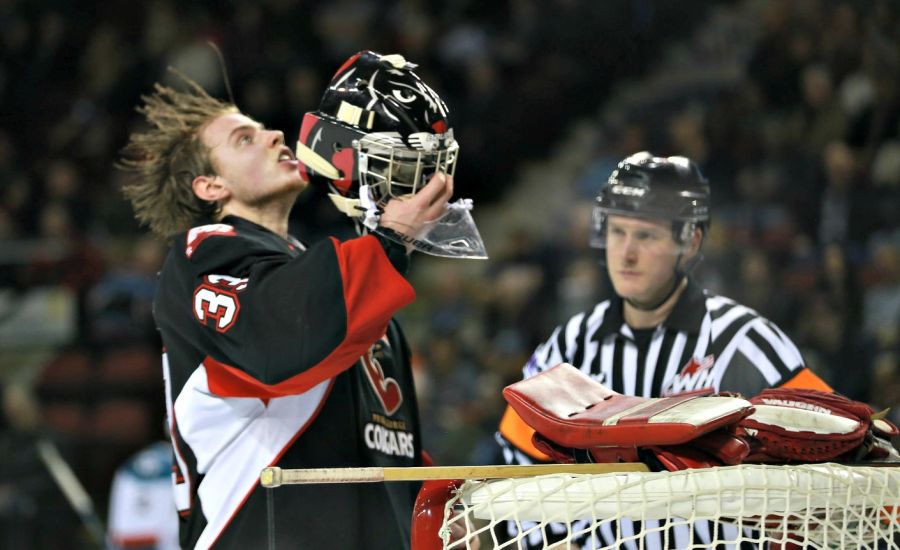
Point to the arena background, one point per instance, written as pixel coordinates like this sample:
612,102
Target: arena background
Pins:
791,108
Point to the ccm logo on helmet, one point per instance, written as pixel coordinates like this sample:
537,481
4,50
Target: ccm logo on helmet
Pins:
627,190
216,301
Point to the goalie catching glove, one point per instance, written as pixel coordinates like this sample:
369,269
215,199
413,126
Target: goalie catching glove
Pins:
799,425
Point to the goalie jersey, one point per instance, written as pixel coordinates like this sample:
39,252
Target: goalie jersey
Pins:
708,341
279,355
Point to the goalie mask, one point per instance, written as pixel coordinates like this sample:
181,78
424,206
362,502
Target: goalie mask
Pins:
380,132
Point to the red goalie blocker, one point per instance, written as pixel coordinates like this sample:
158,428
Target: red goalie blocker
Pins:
573,410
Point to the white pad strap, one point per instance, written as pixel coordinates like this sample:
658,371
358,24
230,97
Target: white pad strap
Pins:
802,420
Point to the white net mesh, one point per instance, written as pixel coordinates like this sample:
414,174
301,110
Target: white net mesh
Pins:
749,506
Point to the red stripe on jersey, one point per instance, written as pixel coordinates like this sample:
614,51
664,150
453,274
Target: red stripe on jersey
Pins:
197,235
373,291
135,541
228,381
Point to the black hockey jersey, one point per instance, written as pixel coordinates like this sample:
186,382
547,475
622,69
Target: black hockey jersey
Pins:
276,355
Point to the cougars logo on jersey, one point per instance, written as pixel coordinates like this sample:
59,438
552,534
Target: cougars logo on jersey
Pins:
382,431
387,389
695,375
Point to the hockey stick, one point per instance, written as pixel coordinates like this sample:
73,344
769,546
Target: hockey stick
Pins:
72,489
275,477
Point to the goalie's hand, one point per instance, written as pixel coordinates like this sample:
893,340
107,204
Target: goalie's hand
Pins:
406,215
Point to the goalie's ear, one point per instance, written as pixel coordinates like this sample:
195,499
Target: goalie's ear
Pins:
210,188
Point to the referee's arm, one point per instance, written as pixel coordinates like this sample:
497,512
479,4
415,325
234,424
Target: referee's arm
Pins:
765,357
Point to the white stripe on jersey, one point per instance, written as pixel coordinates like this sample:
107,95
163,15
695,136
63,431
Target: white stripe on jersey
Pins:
572,334
579,338
786,350
758,358
626,529
723,322
653,539
233,439
724,359
182,489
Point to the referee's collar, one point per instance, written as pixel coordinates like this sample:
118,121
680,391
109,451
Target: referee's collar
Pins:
686,316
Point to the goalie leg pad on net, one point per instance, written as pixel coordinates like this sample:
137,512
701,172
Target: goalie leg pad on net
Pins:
573,410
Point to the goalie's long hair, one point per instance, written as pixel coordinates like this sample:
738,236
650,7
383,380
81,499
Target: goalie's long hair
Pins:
165,158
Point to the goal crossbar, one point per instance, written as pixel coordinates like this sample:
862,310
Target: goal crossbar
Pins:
274,476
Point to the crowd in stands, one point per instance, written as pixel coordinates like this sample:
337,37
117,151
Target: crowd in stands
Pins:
802,149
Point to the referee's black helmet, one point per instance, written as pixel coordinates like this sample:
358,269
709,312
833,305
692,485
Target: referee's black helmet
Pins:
656,188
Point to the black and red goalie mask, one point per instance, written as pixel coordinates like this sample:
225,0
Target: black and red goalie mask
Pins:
381,132
379,125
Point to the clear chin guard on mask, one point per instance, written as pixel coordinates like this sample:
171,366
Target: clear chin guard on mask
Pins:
388,169
453,235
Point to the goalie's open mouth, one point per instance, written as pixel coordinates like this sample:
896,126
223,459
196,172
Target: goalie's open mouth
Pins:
286,155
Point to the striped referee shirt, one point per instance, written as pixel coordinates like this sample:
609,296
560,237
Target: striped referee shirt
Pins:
707,341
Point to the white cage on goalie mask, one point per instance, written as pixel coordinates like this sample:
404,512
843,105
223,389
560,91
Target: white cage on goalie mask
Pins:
392,169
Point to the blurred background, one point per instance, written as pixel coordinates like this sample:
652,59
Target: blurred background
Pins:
792,109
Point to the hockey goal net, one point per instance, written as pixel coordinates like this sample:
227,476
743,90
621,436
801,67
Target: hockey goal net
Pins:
611,506
809,506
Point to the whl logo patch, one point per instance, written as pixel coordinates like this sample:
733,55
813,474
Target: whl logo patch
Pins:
695,375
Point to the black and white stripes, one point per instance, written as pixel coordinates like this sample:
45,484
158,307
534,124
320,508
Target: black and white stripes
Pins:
673,359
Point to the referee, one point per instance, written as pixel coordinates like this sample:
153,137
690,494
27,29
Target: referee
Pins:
658,333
